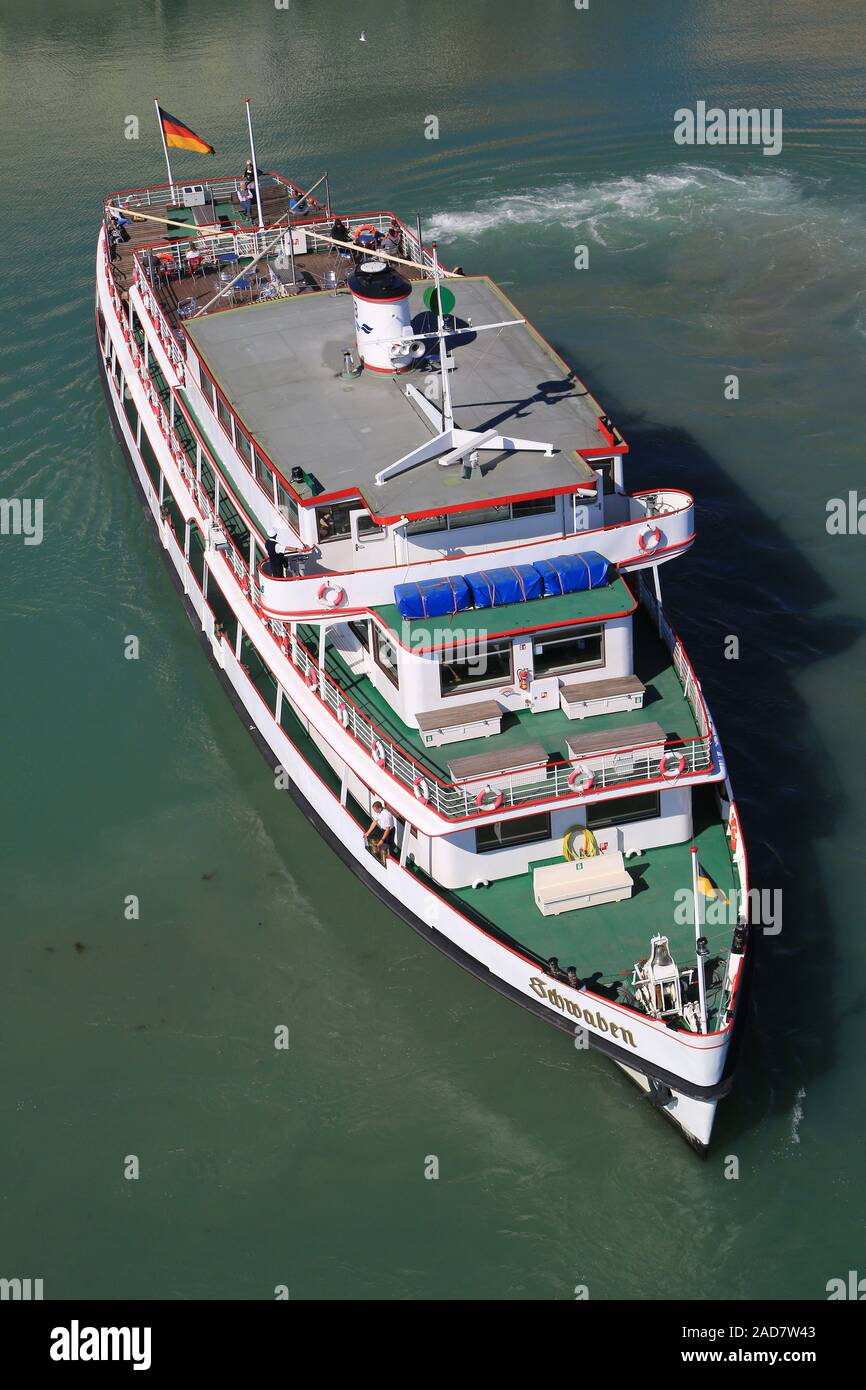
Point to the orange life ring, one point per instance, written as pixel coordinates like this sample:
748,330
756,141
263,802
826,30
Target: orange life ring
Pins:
374,231
650,538
581,779
481,801
421,790
664,765
377,752
339,595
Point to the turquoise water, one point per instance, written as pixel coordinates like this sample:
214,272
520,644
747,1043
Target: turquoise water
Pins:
154,1037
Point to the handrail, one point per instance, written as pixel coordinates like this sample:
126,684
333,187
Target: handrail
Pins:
458,800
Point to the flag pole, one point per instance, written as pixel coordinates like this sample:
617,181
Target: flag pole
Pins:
164,147
702,989
255,163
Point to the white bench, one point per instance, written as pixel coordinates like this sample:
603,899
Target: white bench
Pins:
454,723
601,697
584,883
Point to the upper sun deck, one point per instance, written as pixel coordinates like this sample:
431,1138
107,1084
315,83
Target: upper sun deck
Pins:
279,366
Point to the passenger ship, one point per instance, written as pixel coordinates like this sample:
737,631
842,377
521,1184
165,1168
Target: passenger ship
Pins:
408,603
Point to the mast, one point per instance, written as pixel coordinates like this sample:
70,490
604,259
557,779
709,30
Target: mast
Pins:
164,146
255,164
447,408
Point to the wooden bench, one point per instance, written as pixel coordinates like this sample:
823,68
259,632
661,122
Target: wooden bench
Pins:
584,883
453,723
614,740
500,766
601,697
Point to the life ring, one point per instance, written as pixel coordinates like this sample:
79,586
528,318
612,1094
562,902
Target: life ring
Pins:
331,594
421,790
665,768
374,231
581,779
343,714
312,677
482,803
377,752
650,538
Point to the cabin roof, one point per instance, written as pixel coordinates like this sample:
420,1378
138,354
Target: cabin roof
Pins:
279,365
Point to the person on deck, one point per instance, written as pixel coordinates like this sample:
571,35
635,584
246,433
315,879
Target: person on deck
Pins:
340,232
276,557
380,832
246,199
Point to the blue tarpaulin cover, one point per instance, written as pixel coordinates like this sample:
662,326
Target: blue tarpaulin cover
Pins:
511,584
572,574
433,598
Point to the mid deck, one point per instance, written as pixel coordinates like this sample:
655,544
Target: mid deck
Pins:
664,704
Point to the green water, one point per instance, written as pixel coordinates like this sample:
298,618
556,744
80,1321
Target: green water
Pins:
154,1037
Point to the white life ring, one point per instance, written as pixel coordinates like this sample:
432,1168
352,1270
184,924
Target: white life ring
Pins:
377,752
421,789
650,538
665,766
343,714
581,779
312,677
331,594
482,803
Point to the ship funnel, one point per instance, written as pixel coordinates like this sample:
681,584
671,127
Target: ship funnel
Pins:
381,299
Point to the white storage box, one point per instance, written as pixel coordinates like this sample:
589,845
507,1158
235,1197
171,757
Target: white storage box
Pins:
584,883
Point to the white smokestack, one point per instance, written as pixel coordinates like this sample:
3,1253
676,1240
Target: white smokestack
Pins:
381,300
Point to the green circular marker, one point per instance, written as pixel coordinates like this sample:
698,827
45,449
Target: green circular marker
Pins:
446,300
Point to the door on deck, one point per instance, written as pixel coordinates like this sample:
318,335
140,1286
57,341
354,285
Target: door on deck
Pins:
371,543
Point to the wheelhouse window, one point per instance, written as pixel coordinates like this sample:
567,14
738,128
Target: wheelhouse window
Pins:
368,529
508,834
533,506
244,448
420,525
622,809
475,667
288,506
385,656
224,416
208,391
567,649
479,516
332,523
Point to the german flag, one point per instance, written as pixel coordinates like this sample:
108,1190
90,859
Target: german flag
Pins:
180,137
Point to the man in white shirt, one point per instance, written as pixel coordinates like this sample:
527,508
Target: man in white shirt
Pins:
380,832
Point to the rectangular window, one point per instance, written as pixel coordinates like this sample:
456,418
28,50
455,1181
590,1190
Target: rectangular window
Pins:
333,523
567,649
480,516
362,632
288,506
224,416
508,834
422,524
244,448
533,506
623,809
385,656
489,663
370,530
263,473
208,391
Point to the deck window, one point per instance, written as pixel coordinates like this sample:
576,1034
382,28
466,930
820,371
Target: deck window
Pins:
422,524
463,669
567,649
533,506
208,391
288,506
385,656
623,809
224,416
264,475
480,516
244,448
508,834
333,524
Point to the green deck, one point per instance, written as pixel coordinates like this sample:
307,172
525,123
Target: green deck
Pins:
664,703
222,212
426,634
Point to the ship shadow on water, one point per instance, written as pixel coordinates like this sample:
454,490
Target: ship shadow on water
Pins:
744,578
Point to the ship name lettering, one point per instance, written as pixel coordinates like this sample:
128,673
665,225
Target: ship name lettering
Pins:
570,1006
